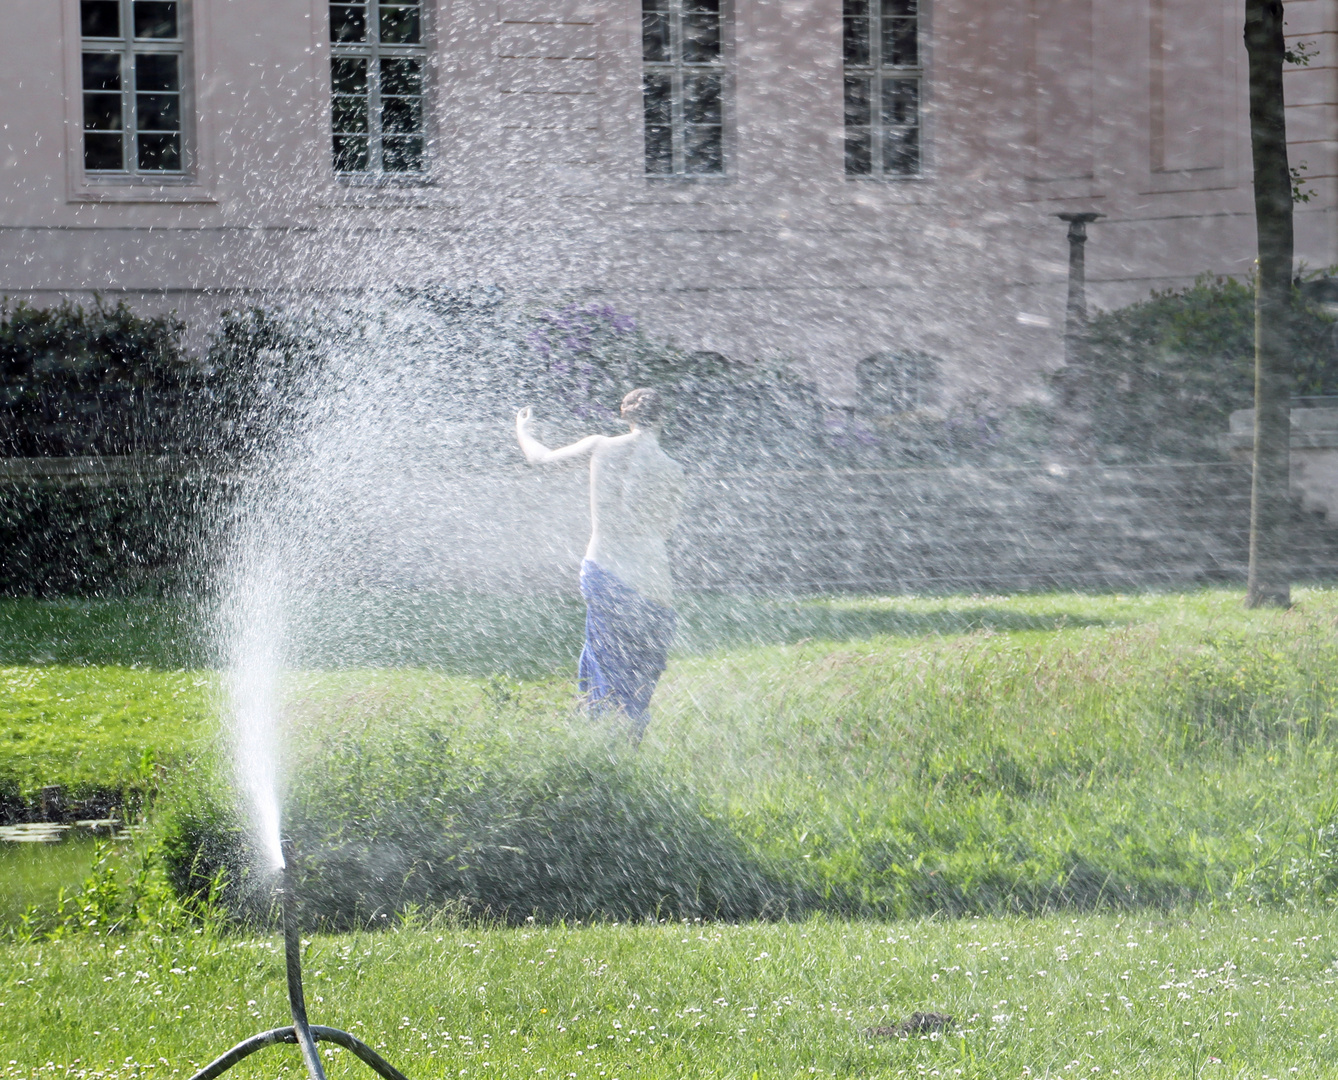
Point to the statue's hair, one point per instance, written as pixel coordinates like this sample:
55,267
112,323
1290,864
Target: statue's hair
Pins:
644,405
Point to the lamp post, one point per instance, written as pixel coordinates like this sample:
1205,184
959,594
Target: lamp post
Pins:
1075,315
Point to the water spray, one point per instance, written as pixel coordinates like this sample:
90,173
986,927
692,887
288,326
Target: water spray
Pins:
304,1034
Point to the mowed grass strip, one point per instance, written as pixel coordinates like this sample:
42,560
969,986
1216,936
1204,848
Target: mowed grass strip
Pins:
98,728
1249,993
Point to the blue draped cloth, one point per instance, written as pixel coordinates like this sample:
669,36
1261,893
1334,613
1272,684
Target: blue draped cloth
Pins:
627,639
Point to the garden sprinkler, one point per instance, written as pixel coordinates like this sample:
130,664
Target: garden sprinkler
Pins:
305,1034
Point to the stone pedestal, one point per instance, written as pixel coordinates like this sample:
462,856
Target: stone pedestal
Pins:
1314,453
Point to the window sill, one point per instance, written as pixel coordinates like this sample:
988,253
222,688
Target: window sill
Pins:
385,182
681,179
917,178
350,193
135,189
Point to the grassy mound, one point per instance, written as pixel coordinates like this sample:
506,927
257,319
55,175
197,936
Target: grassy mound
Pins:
889,757
1114,752
99,732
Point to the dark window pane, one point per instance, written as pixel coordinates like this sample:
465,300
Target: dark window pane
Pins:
859,108
156,71
901,102
103,152
401,116
901,47
155,19
100,18
895,8
349,115
348,75
160,153
701,39
901,152
659,150
402,77
859,156
102,71
400,25
657,92
702,5
350,153
856,43
701,99
855,7
705,150
400,153
654,5
348,22
158,112
655,37
102,112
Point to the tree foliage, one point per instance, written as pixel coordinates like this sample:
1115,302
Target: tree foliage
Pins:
720,413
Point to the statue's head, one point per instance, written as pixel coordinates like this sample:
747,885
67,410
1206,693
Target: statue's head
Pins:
643,406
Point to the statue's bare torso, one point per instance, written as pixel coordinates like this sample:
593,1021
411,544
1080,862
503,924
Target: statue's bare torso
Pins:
636,495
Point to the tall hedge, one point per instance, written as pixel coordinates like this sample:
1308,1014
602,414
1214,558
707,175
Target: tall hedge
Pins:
80,381
157,432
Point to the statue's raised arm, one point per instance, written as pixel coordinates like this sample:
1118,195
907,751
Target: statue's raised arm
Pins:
536,453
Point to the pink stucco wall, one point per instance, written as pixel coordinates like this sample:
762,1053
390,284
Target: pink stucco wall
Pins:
1134,108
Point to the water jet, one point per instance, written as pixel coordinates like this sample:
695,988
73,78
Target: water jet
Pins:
301,1032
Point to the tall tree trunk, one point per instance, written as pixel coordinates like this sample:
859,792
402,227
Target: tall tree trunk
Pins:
1270,496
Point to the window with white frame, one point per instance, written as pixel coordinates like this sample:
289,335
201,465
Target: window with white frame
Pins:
883,53
683,87
891,383
133,61
378,65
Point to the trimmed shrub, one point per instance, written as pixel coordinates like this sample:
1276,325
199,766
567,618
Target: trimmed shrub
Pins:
1166,373
252,378
721,413
105,382
574,832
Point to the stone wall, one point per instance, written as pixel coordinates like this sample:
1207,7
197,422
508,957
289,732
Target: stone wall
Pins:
519,531
903,530
982,529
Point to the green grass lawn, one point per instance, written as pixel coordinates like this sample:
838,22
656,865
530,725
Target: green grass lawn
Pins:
90,688
956,755
33,874
1156,767
1248,994
99,727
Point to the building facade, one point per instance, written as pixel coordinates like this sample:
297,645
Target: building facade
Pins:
820,180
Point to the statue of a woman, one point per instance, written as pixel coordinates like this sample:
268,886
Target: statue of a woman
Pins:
636,494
